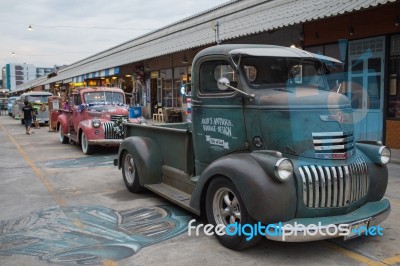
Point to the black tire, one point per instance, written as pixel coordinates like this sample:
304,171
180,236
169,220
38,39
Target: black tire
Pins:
222,195
86,148
63,138
130,173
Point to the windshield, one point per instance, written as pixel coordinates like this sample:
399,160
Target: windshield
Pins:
264,72
104,97
38,98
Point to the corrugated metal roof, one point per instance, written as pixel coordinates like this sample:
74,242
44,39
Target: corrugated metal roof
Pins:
237,18
31,83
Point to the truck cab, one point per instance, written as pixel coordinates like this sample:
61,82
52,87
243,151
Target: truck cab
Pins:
269,143
91,117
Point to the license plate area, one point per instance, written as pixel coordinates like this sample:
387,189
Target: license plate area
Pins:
357,229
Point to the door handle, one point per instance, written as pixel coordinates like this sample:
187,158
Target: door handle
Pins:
196,101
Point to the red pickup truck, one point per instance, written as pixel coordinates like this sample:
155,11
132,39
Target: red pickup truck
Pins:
93,117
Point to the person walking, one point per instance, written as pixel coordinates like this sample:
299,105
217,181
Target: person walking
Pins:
35,121
28,110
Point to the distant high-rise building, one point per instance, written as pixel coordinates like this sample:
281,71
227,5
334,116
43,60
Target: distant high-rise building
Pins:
16,74
43,71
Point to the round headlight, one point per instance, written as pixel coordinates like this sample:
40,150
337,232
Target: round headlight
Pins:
283,169
384,155
96,123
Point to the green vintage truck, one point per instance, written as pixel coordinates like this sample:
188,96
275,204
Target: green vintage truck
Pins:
269,144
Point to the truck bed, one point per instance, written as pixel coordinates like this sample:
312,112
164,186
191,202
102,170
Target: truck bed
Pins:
174,141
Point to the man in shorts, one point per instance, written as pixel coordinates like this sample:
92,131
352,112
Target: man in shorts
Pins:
28,110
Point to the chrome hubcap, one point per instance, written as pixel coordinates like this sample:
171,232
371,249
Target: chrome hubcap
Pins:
129,167
61,134
226,208
84,142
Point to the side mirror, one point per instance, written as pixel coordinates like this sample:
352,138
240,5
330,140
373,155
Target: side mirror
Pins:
223,84
183,90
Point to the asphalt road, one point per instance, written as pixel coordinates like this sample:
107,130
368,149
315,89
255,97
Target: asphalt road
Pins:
60,207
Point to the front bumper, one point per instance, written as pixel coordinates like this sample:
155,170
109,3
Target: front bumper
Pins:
105,142
370,214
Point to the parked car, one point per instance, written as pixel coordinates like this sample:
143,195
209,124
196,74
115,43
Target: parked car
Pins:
15,108
10,103
3,103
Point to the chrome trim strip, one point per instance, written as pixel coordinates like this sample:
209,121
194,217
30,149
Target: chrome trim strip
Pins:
347,182
334,186
353,182
305,191
328,187
331,134
334,147
316,186
324,141
341,186
365,173
310,187
359,179
323,186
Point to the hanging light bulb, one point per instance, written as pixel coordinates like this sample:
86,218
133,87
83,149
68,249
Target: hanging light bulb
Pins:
30,28
13,53
351,31
184,59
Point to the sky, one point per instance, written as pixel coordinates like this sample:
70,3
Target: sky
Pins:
66,31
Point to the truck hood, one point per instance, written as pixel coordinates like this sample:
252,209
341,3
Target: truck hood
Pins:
306,122
106,108
108,112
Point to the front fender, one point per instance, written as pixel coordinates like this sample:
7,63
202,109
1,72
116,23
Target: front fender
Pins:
265,199
62,120
378,173
147,156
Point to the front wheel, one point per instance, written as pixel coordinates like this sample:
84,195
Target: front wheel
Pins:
130,173
225,206
63,138
86,148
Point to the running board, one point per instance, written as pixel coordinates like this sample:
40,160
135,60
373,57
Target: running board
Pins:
172,194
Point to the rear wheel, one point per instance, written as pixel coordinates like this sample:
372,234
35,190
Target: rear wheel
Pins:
130,173
225,206
63,138
86,148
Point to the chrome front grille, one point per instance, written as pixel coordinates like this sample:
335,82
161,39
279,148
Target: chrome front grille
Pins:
110,132
114,118
333,145
334,186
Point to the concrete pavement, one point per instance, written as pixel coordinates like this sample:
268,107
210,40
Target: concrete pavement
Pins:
395,156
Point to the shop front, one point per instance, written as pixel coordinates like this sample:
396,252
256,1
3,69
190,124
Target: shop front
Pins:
365,41
165,92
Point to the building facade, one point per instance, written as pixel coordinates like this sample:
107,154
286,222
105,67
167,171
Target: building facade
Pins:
16,74
43,71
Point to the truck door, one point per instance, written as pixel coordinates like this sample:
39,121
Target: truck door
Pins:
218,120
75,114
